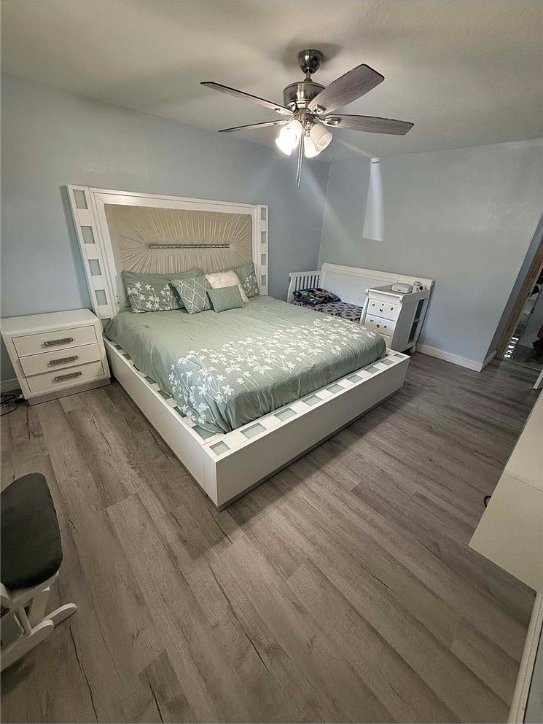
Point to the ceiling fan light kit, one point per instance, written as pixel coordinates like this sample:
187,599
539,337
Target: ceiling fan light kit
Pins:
316,139
308,105
289,137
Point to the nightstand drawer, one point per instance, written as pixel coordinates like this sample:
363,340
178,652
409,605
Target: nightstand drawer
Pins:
378,324
60,339
37,364
51,381
383,309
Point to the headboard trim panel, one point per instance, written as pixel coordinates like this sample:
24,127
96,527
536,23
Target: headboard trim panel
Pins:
99,239
226,245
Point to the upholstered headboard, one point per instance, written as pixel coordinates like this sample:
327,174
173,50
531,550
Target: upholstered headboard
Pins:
121,231
147,239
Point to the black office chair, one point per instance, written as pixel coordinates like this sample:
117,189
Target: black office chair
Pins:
31,558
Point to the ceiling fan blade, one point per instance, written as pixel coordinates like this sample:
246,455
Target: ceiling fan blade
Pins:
369,124
347,88
253,125
277,107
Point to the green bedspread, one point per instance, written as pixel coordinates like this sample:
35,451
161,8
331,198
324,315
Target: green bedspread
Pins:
225,370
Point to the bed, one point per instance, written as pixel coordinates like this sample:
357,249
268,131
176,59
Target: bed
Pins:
352,312
230,434
226,370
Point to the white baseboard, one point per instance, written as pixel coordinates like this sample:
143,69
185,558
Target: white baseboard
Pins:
471,364
9,385
488,359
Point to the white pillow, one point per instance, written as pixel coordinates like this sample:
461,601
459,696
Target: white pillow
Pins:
226,279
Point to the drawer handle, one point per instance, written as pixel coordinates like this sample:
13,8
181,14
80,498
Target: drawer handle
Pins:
63,360
53,342
69,376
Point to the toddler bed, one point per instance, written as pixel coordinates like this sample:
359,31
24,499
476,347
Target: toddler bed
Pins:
352,312
345,291
325,301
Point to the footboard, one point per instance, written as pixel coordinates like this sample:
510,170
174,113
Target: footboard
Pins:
302,280
228,465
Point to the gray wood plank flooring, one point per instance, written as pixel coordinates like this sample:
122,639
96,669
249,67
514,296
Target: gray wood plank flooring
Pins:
342,589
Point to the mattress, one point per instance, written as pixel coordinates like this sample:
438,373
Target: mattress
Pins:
225,370
336,309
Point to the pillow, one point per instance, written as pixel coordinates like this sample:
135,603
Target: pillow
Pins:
247,277
315,296
227,278
154,292
188,274
225,298
193,293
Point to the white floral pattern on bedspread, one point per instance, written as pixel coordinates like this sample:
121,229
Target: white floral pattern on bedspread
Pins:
205,380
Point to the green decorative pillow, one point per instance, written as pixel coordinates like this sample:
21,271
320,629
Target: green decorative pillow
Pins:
225,298
154,292
247,278
194,293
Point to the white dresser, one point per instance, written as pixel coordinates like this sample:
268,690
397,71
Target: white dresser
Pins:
510,531
398,317
56,354
510,534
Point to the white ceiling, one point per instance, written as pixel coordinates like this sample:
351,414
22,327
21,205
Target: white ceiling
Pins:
466,72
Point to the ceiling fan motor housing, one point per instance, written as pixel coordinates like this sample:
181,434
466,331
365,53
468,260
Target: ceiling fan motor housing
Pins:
298,95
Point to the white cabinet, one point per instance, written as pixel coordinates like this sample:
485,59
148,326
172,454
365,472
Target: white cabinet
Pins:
398,317
56,354
510,531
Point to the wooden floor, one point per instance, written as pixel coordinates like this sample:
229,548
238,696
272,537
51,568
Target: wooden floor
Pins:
341,590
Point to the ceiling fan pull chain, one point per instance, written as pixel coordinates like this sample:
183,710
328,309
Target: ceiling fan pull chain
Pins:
300,160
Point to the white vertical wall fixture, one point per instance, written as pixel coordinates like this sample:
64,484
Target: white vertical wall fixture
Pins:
374,216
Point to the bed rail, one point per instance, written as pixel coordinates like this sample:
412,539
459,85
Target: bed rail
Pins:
302,280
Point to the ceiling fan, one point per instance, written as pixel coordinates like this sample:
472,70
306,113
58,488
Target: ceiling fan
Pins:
308,109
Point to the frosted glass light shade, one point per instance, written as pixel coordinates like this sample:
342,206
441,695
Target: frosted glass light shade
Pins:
288,137
316,141
310,150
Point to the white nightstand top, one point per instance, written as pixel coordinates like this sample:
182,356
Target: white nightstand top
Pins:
32,323
387,292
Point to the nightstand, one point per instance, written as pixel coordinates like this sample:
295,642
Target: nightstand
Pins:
398,317
56,354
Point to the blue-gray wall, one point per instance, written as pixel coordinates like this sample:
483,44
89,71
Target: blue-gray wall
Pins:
51,138
463,217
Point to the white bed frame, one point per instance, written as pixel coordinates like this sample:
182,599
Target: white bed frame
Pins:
224,465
